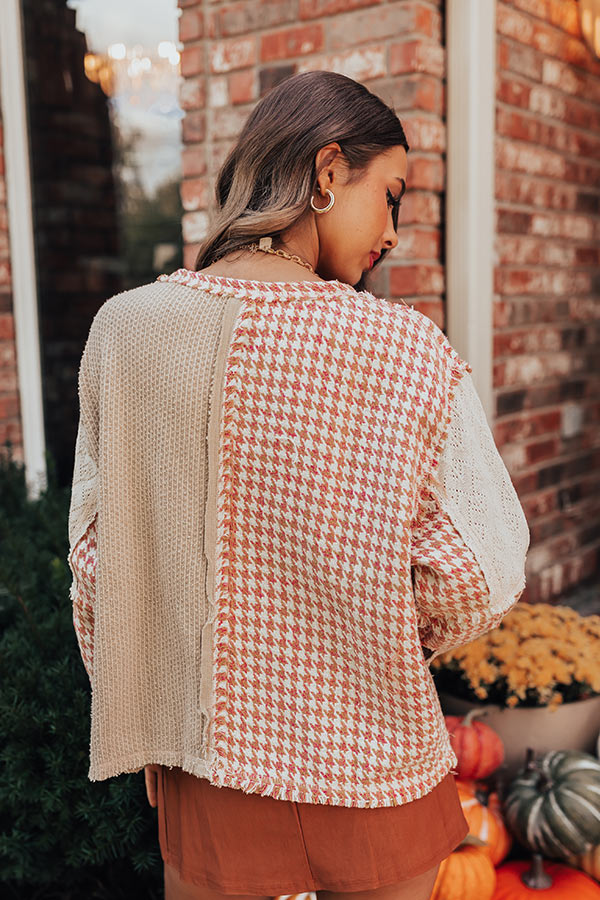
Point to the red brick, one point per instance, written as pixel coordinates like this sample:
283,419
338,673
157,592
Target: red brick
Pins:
527,340
192,93
251,15
194,193
311,9
291,42
363,27
194,127
7,326
531,159
417,56
511,91
520,59
243,86
8,356
194,226
8,381
191,24
422,208
427,134
234,54
9,407
540,504
228,121
360,63
530,369
518,250
417,244
413,280
217,154
425,172
192,61
428,22
433,309
538,281
521,427
514,24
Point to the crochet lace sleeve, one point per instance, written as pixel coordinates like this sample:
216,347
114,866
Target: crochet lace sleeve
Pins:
470,536
82,545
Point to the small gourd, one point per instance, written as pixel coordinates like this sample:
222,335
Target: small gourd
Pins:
481,809
550,880
467,874
553,805
478,748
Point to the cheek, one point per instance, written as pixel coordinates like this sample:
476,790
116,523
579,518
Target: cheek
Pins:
368,219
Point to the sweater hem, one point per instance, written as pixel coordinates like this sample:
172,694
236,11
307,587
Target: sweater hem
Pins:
394,792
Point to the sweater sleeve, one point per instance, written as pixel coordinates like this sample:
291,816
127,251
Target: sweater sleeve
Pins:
469,536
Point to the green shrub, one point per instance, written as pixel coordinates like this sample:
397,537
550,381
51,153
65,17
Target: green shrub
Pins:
60,834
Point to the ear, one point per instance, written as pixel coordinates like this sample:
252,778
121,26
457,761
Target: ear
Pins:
329,163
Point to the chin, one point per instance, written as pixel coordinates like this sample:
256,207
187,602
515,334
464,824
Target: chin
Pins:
362,283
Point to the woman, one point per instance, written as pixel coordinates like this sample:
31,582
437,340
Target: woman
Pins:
297,504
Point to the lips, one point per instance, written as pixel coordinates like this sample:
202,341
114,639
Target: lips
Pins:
372,258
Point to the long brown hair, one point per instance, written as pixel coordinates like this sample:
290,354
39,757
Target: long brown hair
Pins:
266,182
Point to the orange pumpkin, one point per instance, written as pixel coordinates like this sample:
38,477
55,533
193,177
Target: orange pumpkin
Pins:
481,808
467,874
552,880
479,749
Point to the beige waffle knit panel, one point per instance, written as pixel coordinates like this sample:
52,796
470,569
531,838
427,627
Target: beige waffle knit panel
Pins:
153,367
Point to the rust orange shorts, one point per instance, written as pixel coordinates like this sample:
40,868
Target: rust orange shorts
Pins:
239,843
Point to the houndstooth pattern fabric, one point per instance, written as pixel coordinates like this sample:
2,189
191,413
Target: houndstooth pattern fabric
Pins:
332,425
83,563
451,591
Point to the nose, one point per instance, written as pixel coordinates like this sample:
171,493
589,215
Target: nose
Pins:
390,238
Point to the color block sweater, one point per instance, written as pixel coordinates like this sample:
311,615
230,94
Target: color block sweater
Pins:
286,502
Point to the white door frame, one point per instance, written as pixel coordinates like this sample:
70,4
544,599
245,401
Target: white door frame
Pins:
22,253
470,203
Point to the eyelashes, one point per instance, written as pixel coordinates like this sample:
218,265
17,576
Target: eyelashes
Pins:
395,204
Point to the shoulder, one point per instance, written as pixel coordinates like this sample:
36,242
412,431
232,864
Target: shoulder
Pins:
421,335
152,306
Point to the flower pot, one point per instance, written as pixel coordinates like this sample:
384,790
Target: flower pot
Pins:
571,726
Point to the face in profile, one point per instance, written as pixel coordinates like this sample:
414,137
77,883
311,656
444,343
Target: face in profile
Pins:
363,219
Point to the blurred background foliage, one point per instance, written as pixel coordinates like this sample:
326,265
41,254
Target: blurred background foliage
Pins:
61,835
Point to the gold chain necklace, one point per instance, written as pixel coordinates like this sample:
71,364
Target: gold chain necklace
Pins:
264,245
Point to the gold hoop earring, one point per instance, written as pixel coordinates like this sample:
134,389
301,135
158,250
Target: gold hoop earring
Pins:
325,208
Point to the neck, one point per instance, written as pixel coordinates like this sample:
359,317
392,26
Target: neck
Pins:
301,239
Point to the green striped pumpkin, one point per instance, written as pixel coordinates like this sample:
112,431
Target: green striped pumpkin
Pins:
553,805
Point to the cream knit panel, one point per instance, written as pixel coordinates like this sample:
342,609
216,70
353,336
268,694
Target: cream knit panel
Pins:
153,371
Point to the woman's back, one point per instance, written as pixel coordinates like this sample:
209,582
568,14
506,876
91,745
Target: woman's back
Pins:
259,502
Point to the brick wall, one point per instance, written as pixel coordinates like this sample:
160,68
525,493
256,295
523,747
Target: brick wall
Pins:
235,51
10,421
547,281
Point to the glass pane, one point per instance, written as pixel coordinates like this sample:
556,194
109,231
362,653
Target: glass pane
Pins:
133,54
